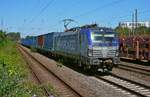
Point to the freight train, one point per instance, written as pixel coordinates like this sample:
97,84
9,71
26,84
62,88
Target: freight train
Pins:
92,47
135,48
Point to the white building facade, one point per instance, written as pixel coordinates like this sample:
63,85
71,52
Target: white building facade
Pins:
131,25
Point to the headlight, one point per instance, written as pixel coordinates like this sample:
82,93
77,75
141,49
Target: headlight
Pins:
117,53
90,53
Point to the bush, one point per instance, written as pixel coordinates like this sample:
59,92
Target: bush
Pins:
33,49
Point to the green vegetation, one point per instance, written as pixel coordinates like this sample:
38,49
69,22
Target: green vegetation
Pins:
14,75
51,89
122,31
2,35
59,64
3,38
29,37
14,36
14,81
33,49
126,31
143,30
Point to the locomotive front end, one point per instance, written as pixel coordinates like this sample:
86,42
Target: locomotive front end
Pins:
103,49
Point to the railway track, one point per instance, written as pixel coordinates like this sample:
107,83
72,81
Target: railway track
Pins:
34,74
135,69
133,88
67,91
139,62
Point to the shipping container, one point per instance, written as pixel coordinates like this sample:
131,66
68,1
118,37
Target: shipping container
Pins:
34,41
49,41
40,41
29,41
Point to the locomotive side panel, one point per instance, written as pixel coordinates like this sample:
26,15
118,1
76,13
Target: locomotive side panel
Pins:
84,43
67,44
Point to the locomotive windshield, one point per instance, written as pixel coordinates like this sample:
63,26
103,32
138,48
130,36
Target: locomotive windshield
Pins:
103,39
97,37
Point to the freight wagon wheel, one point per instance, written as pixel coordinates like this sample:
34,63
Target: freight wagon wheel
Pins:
84,67
79,63
94,69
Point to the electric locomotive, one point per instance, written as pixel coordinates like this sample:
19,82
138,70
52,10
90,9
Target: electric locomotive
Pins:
93,47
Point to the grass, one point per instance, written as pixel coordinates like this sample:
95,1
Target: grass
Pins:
33,49
14,80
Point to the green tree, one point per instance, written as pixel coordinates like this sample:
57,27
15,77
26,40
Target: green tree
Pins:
148,30
2,35
122,31
141,30
14,36
27,37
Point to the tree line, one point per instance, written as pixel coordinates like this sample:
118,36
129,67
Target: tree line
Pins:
14,36
124,31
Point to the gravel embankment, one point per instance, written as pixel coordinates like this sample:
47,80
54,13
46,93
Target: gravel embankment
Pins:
132,76
136,65
86,86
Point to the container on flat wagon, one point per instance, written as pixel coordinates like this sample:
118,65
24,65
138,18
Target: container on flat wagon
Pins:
40,42
34,42
49,41
27,41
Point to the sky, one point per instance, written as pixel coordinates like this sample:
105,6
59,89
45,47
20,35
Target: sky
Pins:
35,17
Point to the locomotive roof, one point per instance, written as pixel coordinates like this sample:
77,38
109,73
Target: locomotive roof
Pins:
90,27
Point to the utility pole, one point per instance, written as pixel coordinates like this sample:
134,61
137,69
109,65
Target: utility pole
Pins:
136,21
137,41
133,24
2,24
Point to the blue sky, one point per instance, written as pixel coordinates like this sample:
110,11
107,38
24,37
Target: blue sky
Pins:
34,17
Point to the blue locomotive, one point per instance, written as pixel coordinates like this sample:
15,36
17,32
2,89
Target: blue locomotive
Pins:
92,47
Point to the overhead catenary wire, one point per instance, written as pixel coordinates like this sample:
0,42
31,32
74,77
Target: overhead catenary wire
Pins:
41,11
85,13
33,9
140,13
88,12
99,8
128,14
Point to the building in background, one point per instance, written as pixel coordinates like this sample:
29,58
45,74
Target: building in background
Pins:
131,25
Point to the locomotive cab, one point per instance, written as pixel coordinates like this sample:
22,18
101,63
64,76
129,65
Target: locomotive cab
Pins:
103,49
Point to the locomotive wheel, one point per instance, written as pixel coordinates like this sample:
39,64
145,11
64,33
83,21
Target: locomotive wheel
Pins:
109,66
